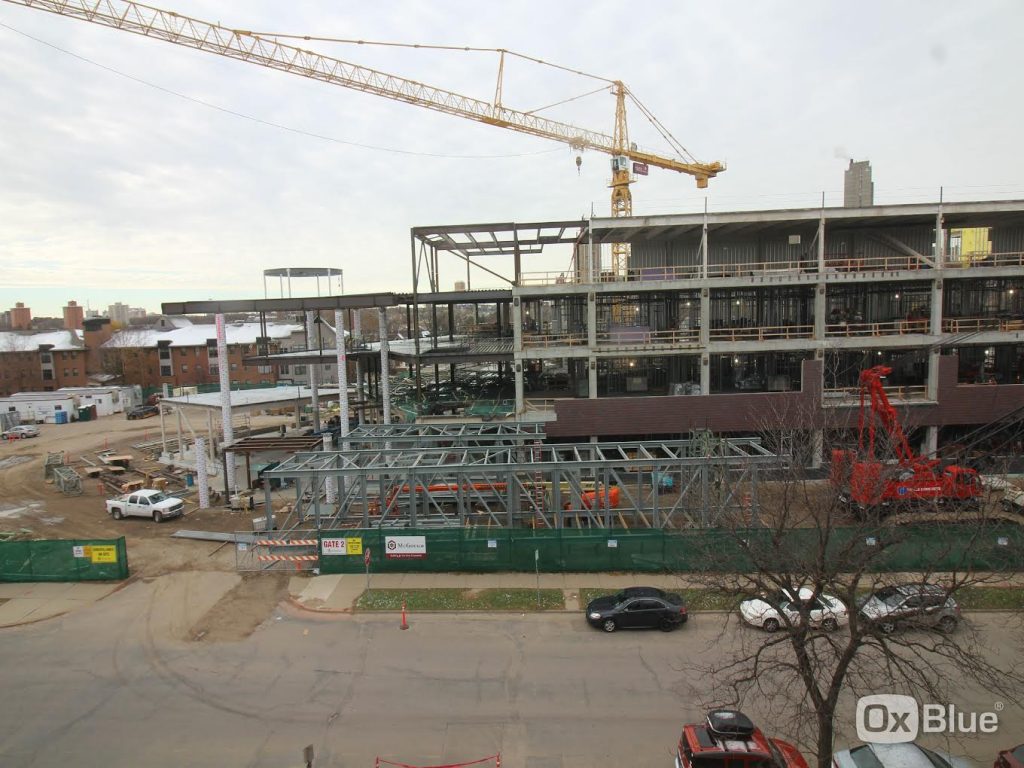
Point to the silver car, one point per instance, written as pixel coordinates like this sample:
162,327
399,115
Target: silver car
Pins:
922,605
907,755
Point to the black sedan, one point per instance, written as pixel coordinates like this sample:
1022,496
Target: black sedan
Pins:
637,608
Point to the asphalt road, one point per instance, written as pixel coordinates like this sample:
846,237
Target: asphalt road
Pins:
121,684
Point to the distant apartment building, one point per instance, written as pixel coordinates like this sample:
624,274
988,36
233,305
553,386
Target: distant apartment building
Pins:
179,353
41,362
858,188
73,316
21,318
118,314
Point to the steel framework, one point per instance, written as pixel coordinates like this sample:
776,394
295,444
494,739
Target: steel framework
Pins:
666,484
438,435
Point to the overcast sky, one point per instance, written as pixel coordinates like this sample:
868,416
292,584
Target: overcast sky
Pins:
138,171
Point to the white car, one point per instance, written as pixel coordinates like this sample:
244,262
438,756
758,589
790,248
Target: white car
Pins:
21,431
826,611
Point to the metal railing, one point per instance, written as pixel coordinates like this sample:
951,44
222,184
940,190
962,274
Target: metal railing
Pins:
974,324
1004,259
762,333
834,264
887,328
554,339
893,263
539,404
847,395
634,337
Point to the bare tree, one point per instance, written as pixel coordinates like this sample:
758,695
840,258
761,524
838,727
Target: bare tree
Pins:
125,356
812,544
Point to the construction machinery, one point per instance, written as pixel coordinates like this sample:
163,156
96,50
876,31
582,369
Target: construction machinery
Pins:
268,50
885,471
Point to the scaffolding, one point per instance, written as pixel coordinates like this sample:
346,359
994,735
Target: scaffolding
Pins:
649,485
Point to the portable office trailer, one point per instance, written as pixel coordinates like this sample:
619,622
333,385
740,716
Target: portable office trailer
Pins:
108,400
42,407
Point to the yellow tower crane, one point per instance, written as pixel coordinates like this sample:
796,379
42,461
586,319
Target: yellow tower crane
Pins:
268,50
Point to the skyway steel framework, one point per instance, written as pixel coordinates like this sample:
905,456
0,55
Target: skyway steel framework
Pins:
441,435
667,484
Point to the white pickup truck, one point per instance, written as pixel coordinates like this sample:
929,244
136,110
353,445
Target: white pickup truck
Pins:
145,503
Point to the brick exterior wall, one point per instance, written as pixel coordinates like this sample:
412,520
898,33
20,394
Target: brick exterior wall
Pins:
188,366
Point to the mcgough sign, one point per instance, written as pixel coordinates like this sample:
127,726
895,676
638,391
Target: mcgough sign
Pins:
405,547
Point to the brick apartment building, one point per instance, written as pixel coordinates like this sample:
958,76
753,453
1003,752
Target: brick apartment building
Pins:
41,362
180,353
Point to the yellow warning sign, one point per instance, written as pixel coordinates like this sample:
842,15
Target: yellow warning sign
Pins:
354,546
102,554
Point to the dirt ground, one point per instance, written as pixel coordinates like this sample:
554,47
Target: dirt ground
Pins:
34,508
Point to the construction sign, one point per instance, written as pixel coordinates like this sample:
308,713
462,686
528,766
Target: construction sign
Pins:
102,554
352,546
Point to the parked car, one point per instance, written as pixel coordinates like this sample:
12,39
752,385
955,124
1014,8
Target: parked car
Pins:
21,431
143,412
824,611
925,605
146,503
1011,758
906,755
636,608
728,737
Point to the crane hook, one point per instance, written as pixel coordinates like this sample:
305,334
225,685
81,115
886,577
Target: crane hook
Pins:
579,162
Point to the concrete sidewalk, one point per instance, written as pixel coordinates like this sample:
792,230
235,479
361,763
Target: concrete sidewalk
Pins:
29,602
338,593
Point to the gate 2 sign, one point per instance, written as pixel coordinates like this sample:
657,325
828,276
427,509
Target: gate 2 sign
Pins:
405,547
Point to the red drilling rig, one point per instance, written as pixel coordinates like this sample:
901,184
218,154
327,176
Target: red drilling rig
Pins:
905,478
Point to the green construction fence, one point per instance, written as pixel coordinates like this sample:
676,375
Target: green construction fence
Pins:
64,560
482,550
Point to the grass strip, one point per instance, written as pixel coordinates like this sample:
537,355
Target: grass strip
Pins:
455,599
991,598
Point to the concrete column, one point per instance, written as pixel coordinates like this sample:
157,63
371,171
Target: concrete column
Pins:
224,373
817,448
705,317
202,479
940,240
932,388
314,369
705,373
340,350
517,323
591,321
592,377
935,326
821,245
517,376
329,485
704,243
930,446
385,383
820,308
357,334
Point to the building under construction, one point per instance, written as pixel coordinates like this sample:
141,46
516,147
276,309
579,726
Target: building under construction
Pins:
718,322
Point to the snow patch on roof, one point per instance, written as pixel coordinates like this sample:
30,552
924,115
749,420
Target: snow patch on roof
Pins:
198,335
62,341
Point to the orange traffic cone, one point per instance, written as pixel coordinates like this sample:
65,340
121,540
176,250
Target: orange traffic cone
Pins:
405,624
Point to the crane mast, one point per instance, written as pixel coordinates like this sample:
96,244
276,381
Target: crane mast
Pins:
270,52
